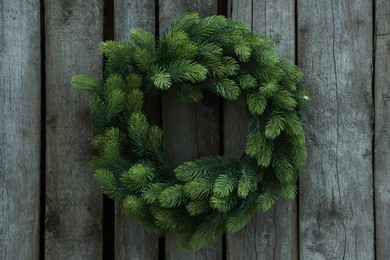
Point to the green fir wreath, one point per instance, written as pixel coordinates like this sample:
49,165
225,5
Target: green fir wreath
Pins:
204,198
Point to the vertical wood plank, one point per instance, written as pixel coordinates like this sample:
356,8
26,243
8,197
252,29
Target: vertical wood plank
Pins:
382,129
336,191
131,240
190,130
20,94
272,235
74,30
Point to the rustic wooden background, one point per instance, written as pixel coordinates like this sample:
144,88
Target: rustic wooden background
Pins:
50,206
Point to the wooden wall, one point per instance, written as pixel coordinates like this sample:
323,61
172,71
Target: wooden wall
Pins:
50,205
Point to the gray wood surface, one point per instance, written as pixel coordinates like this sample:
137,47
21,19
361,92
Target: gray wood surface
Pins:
131,240
336,191
74,30
272,235
382,129
20,112
336,45
190,131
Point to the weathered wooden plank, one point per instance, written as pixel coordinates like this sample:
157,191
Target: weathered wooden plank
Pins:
190,131
74,30
382,129
272,235
20,94
133,14
336,191
131,240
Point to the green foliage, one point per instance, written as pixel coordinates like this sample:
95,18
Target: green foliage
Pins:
243,51
266,201
110,153
172,196
246,81
137,177
134,101
119,57
142,39
187,70
203,198
134,207
87,83
187,92
144,60
208,231
256,103
151,191
241,215
227,88
202,168
289,191
137,129
198,207
223,204
224,185
161,78
250,176
109,184
176,219
200,188
274,126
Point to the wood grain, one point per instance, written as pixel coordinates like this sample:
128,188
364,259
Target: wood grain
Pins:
190,131
336,191
131,240
20,112
382,129
272,235
74,30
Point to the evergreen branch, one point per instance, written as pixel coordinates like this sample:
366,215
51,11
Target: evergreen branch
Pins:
201,168
208,231
172,196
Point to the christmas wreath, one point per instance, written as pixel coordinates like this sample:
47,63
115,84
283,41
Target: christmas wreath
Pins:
204,198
